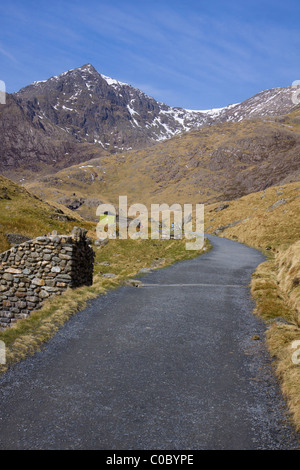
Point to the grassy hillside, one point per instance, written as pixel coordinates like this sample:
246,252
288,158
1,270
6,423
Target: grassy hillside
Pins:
24,214
270,221
218,162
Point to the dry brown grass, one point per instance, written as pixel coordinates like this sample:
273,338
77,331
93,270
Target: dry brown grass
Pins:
259,223
288,277
23,213
280,338
270,301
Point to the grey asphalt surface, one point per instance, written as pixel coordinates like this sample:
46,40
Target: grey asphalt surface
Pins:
168,366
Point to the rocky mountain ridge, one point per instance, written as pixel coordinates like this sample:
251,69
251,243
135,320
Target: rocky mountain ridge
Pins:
98,109
81,114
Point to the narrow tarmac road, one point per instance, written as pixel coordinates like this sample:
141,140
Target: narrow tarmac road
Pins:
168,366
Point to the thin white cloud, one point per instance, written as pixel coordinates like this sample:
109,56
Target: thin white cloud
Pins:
196,51
7,54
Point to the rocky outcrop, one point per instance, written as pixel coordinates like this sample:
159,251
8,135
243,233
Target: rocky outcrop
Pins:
38,269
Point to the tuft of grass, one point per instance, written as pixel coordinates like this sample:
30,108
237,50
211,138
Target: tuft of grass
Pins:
280,339
270,301
288,262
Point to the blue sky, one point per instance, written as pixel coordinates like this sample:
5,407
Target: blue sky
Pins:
190,53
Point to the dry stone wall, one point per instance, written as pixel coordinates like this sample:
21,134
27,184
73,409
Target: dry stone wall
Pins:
40,268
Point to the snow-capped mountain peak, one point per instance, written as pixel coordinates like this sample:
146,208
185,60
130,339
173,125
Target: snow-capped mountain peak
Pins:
95,108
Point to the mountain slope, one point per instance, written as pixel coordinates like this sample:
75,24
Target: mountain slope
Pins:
81,114
222,161
32,145
98,109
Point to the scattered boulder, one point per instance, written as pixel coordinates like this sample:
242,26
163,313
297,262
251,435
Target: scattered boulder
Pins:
280,321
16,238
5,196
72,203
221,207
276,204
100,242
224,227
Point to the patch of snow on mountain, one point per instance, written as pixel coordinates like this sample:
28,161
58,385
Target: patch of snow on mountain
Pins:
132,111
112,81
38,82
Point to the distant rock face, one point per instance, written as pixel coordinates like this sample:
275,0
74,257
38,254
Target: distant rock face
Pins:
43,126
97,109
34,144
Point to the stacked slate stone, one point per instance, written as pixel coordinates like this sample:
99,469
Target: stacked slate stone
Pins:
40,268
